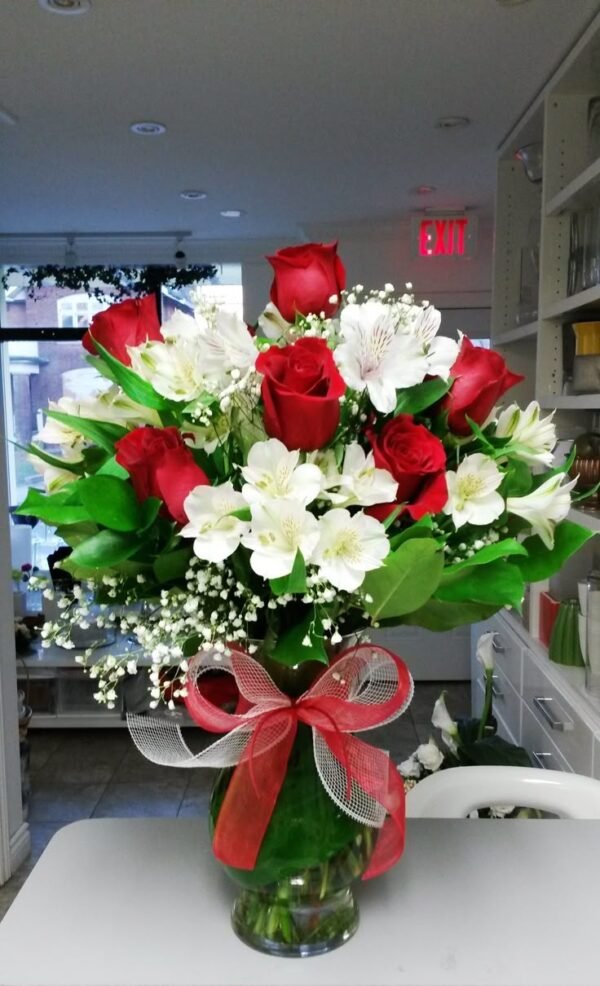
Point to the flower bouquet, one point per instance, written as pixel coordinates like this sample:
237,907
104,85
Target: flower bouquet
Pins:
244,503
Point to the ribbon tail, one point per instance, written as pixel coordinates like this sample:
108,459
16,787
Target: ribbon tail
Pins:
250,800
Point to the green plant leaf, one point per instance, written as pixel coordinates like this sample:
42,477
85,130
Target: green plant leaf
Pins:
495,751
440,616
112,468
495,583
295,582
421,396
420,529
139,390
290,650
54,508
172,565
102,433
408,577
74,534
77,468
501,549
517,479
105,549
542,562
94,458
111,502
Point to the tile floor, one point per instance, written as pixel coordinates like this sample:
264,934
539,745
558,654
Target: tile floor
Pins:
98,773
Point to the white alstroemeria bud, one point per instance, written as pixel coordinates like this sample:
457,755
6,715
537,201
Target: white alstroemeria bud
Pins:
532,437
485,651
430,755
544,507
410,767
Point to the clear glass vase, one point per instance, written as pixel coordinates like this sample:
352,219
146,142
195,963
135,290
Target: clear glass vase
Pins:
298,900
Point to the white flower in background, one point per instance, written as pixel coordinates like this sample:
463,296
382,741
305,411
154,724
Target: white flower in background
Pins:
55,432
175,369
545,507
207,437
349,546
226,345
501,811
410,767
114,405
441,355
532,437
423,322
361,482
216,532
279,531
181,326
327,464
485,651
442,720
272,323
375,356
429,755
273,473
472,497
53,478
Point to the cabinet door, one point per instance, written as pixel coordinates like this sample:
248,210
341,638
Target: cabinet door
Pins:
508,650
557,717
538,744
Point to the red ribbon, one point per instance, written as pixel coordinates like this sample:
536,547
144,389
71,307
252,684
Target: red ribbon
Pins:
343,700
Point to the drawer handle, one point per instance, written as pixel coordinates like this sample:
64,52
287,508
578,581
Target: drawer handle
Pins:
543,760
543,705
498,643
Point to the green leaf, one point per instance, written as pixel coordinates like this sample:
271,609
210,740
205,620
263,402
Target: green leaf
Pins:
421,396
112,468
421,529
149,511
102,433
501,549
111,502
495,751
77,468
408,577
74,534
242,514
496,583
55,508
440,616
172,565
517,479
94,458
290,650
295,582
139,390
105,549
391,517
542,562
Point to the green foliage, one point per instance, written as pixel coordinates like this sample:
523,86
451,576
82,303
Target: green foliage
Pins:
76,468
290,650
490,749
415,399
293,583
541,562
496,584
408,577
172,565
439,616
137,389
54,508
111,502
104,550
501,549
112,468
517,479
102,433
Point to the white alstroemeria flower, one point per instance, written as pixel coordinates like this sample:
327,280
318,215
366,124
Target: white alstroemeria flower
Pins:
423,322
279,530
114,405
57,433
410,767
545,507
349,546
375,355
485,651
441,353
429,755
532,437
442,720
272,323
361,482
53,478
273,473
175,369
472,497
181,326
207,437
216,532
327,464
226,345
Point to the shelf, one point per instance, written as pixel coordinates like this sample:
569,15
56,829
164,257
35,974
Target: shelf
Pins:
590,298
518,334
587,518
570,402
583,191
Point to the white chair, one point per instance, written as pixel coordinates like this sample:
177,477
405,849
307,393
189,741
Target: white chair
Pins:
455,792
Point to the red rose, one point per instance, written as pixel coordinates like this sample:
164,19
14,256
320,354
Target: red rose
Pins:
306,277
160,464
480,378
416,460
128,323
301,391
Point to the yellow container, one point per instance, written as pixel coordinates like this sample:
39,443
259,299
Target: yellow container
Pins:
587,338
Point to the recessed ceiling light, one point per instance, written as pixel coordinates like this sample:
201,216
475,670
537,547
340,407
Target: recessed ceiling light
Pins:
193,194
452,122
65,6
232,213
148,128
424,189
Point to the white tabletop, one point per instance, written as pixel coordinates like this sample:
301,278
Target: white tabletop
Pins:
141,902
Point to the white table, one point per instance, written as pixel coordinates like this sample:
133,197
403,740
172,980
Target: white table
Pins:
140,902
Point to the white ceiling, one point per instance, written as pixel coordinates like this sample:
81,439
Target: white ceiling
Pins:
297,111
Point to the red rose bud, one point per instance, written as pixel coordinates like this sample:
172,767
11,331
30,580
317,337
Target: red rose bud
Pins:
301,391
306,277
417,461
160,464
480,379
129,323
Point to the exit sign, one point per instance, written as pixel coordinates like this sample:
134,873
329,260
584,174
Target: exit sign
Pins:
444,236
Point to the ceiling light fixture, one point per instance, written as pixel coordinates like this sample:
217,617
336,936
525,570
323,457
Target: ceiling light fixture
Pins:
232,213
66,7
452,122
193,195
71,257
424,189
147,128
